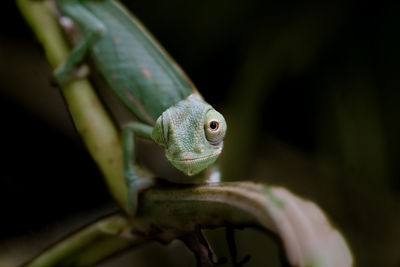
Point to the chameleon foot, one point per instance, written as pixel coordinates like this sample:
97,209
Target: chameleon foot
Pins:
136,186
63,76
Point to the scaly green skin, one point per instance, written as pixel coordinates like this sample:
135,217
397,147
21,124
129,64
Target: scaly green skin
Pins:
183,129
150,84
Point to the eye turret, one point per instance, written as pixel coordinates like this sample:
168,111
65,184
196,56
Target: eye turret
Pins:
214,127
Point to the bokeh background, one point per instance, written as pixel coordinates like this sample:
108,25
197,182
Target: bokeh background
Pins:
310,92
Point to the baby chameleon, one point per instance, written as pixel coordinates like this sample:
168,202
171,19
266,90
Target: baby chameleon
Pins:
151,85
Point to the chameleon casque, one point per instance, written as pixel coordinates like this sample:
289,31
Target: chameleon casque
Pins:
171,111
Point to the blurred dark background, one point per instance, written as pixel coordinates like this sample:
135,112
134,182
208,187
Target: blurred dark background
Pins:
310,92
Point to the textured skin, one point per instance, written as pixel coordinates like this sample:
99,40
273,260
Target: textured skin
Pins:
148,82
181,130
136,68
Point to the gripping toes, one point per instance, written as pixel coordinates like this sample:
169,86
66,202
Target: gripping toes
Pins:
135,187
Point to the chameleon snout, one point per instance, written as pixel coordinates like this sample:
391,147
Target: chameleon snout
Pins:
191,166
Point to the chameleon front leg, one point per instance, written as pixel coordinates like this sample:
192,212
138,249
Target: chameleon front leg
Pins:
213,174
134,183
92,28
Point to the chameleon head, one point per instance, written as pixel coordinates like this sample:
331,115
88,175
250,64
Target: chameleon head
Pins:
192,133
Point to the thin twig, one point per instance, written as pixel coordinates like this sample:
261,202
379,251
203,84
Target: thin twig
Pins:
230,238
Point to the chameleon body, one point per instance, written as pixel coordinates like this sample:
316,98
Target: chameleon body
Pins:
150,84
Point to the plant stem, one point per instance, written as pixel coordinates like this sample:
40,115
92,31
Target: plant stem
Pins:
90,118
89,245
169,212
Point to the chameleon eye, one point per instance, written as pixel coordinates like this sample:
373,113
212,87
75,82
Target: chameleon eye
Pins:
214,127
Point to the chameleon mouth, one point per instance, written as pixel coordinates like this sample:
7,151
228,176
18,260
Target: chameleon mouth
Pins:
216,153
192,166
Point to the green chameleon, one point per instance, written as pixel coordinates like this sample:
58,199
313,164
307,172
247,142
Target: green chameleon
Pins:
172,112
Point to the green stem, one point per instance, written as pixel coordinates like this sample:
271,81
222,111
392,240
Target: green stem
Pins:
89,245
90,118
166,213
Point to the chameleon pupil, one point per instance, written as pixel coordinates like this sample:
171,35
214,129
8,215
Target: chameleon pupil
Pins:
214,125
